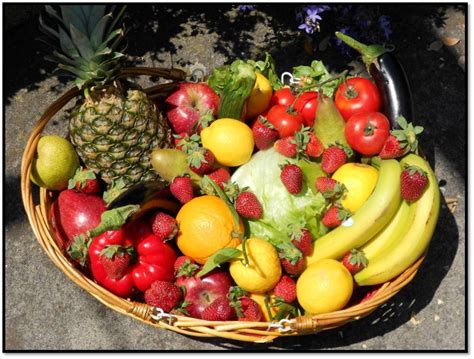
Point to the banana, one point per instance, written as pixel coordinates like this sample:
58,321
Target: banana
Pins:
367,221
403,253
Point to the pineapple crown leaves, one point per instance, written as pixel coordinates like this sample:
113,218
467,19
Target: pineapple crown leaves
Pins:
79,249
81,176
407,135
187,269
111,250
87,42
357,257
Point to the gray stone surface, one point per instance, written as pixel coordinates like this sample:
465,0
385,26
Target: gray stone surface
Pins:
45,310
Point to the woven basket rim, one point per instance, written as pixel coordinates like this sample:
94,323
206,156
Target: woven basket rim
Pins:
258,332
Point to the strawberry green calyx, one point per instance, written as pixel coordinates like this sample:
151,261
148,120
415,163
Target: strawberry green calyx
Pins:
81,176
111,250
296,230
289,252
407,135
196,158
187,269
265,122
188,144
357,257
234,295
415,169
79,249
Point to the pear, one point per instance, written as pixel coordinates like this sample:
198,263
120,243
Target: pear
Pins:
56,161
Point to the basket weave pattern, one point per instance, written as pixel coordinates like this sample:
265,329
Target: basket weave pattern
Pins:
259,332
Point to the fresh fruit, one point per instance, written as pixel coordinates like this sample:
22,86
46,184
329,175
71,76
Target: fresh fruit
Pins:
407,249
329,125
164,295
116,260
182,189
260,300
301,238
307,105
314,148
263,270
354,261
84,181
402,141
293,268
329,187
359,180
374,214
202,291
164,226
333,158
292,177
264,133
285,119
190,103
357,95
73,213
367,132
219,309
201,161
205,226
231,141
113,127
248,205
283,97
392,148
334,216
249,310
324,287
170,163
260,97
185,266
220,176
55,162
286,146
285,289
413,182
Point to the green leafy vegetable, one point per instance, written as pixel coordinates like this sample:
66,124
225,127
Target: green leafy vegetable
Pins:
268,69
221,256
314,75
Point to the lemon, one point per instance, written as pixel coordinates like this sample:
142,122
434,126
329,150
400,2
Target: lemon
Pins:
360,180
263,271
325,286
231,141
260,97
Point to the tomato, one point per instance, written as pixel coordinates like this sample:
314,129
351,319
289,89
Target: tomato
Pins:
366,132
286,120
307,104
282,96
357,95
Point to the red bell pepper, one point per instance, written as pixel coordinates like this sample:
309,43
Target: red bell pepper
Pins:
154,259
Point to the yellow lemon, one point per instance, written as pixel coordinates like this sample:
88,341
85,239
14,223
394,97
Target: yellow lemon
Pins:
360,180
231,141
263,271
325,286
260,97
260,300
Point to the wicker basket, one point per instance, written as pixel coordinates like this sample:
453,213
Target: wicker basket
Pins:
258,332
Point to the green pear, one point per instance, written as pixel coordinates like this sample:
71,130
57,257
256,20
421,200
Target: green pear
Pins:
56,161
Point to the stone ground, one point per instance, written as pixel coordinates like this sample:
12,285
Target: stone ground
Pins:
44,310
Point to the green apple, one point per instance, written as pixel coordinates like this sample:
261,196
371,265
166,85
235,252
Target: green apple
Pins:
56,161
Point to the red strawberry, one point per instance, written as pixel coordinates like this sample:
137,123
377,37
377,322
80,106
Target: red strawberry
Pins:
314,148
370,294
293,268
307,143
301,238
354,261
219,309
248,206
334,216
292,177
164,226
333,158
286,289
401,141
164,295
286,146
182,189
329,187
220,176
84,181
185,266
264,133
187,143
250,310
201,161
413,181
116,260
392,148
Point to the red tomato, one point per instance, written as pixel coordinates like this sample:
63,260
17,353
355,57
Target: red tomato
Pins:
307,104
282,96
366,132
285,120
357,95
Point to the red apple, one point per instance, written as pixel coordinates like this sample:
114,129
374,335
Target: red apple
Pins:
200,292
191,101
74,213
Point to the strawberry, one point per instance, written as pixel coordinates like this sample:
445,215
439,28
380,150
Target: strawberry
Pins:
164,295
307,144
392,148
413,181
330,188
84,181
301,238
220,176
286,146
402,141
187,143
164,226
201,161
354,261
293,268
292,177
334,157
116,260
248,206
286,289
264,133
370,293
250,310
219,309
314,148
334,216
185,266
181,187
291,258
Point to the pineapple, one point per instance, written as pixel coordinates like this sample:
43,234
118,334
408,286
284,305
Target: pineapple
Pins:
113,127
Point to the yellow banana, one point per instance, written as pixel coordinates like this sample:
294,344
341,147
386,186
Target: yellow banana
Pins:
379,209
403,253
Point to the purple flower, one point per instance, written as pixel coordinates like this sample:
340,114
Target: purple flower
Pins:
246,7
384,23
312,18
